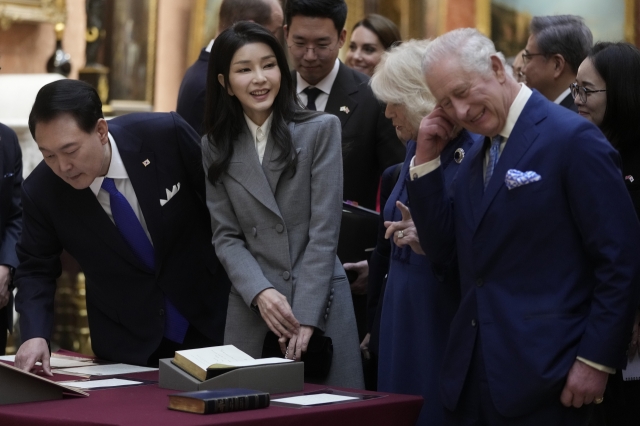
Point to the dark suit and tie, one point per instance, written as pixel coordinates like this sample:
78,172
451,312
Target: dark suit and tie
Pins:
10,217
369,141
135,296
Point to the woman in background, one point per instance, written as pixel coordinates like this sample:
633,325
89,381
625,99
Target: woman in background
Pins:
370,38
418,301
607,93
274,192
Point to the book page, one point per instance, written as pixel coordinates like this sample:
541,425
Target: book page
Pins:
56,362
104,383
632,371
251,362
204,357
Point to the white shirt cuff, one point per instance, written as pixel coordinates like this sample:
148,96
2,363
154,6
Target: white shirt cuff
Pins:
418,171
597,366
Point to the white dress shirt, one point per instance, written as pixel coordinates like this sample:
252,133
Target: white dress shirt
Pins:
120,177
324,85
562,96
260,134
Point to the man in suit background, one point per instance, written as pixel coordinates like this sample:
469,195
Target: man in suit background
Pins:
126,199
556,47
314,32
546,240
191,96
10,224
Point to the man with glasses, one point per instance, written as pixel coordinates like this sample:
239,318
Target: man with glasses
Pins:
315,32
557,46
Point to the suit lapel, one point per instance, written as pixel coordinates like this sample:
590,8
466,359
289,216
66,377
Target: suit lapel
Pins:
342,100
245,168
521,138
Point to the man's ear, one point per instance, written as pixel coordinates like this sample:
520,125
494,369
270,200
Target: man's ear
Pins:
221,81
102,128
342,38
498,68
559,65
285,29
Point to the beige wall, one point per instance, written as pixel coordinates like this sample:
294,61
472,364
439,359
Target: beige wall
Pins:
171,51
25,48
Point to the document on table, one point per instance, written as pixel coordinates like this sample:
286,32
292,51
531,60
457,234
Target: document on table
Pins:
108,369
314,399
105,383
632,371
56,362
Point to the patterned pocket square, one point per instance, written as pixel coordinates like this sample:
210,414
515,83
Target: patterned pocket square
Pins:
516,178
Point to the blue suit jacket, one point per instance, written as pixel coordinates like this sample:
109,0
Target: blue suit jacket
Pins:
549,270
124,300
193,91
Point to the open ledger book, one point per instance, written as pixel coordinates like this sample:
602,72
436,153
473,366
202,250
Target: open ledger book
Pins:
205,363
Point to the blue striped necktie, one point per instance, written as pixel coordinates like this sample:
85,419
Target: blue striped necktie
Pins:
494,155
175,325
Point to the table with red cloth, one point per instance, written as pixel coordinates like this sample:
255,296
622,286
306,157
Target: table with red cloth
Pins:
146,404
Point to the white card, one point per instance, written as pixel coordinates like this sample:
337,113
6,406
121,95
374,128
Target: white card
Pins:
111,383
315,399
108,369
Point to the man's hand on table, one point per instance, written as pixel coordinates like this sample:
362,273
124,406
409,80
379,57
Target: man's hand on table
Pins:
32,351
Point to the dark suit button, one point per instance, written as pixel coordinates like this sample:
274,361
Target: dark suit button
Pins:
473,323
329,303
279,228
286,275
479,282
331,297
327,310
161,312
326,316
332,290
255,231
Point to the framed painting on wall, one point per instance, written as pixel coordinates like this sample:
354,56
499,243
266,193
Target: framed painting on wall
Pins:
17,11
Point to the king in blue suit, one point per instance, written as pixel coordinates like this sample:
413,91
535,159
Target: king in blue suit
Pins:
546,239
153,160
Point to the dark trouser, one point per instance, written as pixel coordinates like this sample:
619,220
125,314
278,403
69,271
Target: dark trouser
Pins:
193,339
620,405
476,407
4,319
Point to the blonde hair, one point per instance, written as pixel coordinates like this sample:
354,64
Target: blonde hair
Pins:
398,79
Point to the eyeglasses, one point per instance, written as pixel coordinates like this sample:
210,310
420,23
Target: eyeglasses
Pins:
526,56
321,51
582,92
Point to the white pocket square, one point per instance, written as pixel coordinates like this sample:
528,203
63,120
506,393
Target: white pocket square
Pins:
170,194
515,178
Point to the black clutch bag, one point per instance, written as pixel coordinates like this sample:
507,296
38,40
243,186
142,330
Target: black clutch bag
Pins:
317,359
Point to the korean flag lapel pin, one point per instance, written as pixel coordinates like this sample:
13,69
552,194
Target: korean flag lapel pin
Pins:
345,109
146,162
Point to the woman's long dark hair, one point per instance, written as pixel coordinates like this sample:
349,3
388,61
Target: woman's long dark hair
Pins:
224,118
619,66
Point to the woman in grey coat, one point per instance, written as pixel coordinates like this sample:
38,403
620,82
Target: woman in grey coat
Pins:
274,191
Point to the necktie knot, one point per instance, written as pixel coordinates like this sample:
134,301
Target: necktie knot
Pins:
312,94
109,185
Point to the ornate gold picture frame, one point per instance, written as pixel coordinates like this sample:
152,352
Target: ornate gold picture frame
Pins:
18,11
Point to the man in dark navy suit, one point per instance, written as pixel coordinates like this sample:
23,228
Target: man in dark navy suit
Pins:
126,199
10,224
556,47
191,96
546,240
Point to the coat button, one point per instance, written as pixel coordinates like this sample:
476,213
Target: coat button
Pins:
326,316
331,297
286,275
279,228
327,310
332,290
161,312
329,303
255,231
479,282
473,323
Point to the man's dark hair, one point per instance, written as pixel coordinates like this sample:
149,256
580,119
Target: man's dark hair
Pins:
232,11
566,35
73,97
336,10
619,66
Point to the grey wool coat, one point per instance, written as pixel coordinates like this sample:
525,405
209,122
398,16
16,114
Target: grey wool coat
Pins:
274,230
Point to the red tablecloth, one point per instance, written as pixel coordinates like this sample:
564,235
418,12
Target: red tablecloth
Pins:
147,405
